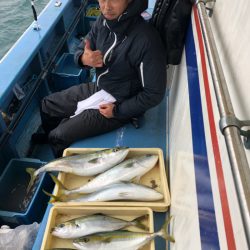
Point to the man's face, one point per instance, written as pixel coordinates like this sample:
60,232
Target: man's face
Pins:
112,9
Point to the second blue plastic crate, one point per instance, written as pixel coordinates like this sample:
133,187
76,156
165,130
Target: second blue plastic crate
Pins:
67,73
16,207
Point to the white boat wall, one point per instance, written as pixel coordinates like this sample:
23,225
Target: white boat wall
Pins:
207,213
204,197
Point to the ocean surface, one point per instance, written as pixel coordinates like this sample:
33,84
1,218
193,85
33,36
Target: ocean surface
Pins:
15,18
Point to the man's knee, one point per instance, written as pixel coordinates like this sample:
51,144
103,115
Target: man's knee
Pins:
44,107
56,136
57,141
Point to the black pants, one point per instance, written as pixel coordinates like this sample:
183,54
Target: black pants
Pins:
62,130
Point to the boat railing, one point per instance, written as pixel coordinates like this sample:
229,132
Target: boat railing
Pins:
38,80
230,126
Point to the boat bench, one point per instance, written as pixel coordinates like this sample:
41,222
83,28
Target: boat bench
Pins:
150,134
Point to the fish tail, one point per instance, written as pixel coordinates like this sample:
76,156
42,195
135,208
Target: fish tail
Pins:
163,231
31,172
138,222
59,183
54,197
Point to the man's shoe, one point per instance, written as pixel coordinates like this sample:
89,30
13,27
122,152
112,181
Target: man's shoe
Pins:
40,138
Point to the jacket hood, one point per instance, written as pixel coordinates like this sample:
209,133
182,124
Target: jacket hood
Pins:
134,9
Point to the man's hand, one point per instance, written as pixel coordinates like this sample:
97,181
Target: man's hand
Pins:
107,110
91,58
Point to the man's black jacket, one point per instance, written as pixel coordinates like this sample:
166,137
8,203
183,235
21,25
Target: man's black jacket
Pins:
134,70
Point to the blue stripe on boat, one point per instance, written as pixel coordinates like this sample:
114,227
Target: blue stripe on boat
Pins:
207,220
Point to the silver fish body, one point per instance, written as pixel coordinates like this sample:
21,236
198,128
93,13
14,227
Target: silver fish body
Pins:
120,191
125,171
86,164
89,225
119,240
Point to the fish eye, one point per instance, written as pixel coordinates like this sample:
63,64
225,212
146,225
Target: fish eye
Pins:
85,240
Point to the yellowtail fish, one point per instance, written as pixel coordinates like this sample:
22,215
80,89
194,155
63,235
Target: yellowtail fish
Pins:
117,191
125,171
83,164
120,240
86,225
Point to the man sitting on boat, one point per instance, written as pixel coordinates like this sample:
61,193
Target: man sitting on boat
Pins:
129,58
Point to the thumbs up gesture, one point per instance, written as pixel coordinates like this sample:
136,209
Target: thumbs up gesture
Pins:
91,58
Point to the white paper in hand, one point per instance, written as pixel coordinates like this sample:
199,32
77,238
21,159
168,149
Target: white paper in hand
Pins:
94,101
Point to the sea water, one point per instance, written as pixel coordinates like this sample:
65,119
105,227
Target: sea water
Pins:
15,18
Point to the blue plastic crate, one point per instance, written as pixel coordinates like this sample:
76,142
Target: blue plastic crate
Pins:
67,73
13,184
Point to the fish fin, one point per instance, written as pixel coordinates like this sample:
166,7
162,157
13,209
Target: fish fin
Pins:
136,180
123,194
58,182
138,222
94,161
123,182
129,165
163,231
54,197
31,172
107,239
119,148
